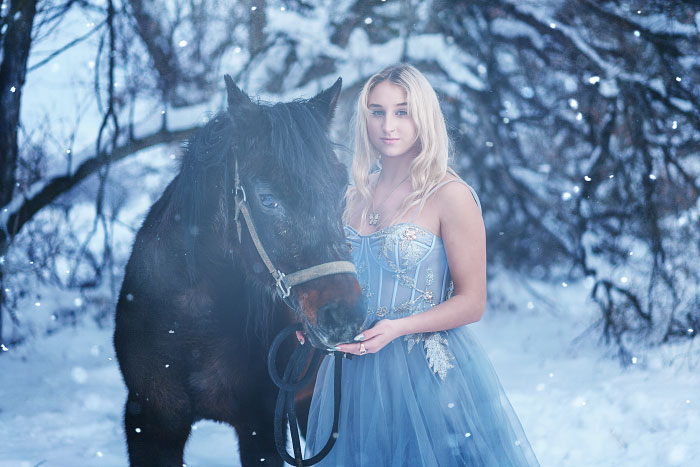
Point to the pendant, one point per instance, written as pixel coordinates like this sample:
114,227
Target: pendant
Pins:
373,218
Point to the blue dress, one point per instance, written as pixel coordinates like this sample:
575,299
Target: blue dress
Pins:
429,399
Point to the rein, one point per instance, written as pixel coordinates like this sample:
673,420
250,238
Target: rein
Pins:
284,282
292,381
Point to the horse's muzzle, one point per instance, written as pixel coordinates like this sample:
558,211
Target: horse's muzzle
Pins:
333,308
340,322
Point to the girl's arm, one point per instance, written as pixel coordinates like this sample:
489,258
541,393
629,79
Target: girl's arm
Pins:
464,237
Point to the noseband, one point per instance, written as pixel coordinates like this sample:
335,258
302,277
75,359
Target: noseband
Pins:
284,282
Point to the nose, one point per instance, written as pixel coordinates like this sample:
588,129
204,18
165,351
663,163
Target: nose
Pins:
341,322
388,125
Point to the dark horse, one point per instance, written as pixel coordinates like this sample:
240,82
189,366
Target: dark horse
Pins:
197,308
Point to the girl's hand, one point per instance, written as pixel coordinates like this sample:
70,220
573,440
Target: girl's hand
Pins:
300,337
374,339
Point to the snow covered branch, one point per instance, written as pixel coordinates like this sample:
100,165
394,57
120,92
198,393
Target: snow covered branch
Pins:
20,210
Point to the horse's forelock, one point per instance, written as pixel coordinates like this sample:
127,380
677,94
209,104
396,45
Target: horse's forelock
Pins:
301,158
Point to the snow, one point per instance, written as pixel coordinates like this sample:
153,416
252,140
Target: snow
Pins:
61,396
450,58
682,104
661,24
61,393
512,29
611,70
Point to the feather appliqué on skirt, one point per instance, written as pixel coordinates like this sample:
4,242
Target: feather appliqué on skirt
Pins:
437,353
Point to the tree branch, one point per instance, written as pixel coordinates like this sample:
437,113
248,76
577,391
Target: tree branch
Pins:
60,185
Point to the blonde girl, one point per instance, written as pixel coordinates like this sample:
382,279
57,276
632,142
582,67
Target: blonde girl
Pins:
421,391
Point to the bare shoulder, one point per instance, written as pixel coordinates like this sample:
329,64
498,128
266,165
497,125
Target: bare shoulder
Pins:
456,197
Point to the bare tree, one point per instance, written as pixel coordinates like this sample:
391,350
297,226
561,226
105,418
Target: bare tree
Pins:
579,124
15,39
180,68
577,121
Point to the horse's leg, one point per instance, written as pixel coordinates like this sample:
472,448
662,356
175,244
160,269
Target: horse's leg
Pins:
256,441
155,432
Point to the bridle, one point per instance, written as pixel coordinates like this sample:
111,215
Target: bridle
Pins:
294,377
283,282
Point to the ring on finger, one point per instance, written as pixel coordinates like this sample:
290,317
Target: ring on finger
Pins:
363,350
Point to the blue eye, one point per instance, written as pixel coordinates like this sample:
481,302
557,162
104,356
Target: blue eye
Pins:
402,113
378,113
269,201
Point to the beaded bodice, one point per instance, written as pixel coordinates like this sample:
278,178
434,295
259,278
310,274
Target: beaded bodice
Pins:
403,270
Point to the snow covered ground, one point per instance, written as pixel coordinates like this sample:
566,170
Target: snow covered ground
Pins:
61,395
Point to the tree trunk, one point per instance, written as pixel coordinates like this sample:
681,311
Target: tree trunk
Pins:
13,69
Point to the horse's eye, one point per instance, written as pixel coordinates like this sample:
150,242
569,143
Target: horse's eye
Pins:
269,201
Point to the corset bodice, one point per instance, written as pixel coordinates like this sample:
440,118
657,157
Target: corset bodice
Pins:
402,269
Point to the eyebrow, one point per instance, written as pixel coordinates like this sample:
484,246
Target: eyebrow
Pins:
397,105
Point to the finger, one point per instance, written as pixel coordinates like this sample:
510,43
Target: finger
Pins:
362,349
300,337
366,334
349,348
371,340
375,343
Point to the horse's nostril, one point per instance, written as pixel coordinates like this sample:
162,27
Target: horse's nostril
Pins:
339,321
330,316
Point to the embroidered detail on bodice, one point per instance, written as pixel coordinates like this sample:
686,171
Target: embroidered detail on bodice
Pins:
403,270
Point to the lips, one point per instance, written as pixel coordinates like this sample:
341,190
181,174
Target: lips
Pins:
389,140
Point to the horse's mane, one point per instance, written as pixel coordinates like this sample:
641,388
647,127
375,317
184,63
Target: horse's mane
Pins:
206,149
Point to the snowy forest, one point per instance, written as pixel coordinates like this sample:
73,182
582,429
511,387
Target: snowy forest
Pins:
576,121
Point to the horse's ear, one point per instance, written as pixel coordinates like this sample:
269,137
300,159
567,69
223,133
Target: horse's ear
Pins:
236,97
325,101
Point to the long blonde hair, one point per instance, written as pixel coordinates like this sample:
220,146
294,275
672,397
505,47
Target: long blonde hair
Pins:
427,168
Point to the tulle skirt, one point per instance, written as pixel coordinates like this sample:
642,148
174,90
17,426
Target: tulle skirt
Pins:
395,411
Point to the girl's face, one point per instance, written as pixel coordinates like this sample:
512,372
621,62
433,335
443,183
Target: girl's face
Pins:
391,129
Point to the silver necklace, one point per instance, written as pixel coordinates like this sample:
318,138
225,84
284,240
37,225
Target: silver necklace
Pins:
373,216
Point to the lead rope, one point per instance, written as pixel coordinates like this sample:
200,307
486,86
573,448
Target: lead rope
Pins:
292,381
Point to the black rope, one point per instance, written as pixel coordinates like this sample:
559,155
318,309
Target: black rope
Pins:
289,383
